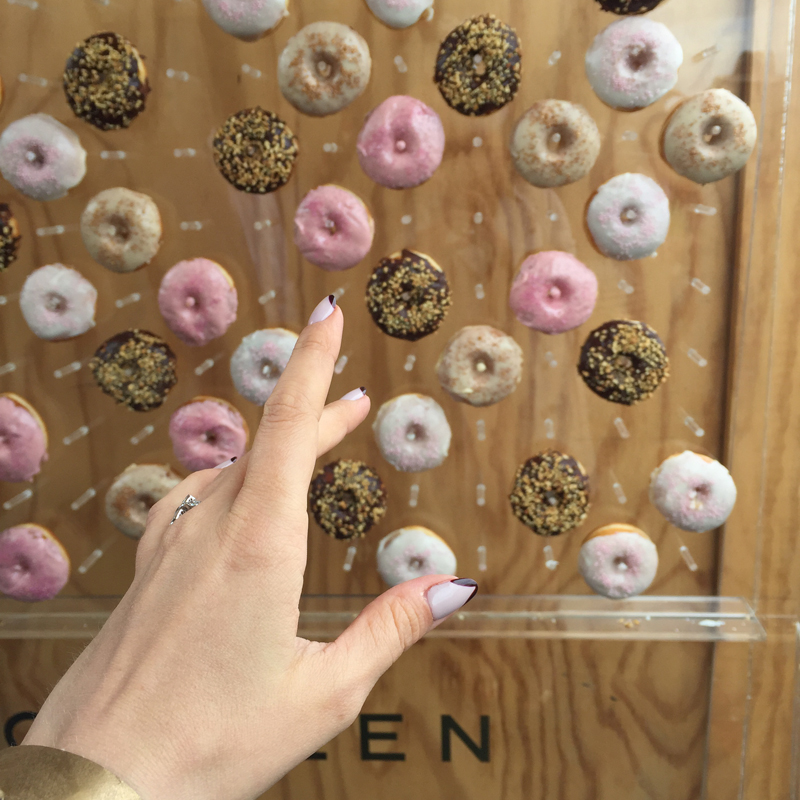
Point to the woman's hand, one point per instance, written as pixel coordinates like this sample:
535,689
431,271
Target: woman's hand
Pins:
198,686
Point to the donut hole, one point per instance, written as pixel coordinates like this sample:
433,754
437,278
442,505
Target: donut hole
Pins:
210,437
560,138
118,228
621,367
482,363
55,302
269,369
325,65
330,226
415,563
415,432
34,155
717,131
551,498
141,505
638,57
479,65
254,149
621,564
23,565
558,290
629,215
192,301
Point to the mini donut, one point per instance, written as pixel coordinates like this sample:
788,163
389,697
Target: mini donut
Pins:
402,143
33,564
633,63
555,143
408,295
333,228
628,217
412,552
207,431
9,237
23,439
347,498
41,158
694,492
480,365
553,292
135,492
412,432
58,302
400,13
550,493
245,19
710,136
259,361
255,151
121,229
618,561
198,301
136,368
624,361
478,66
323,68
625,7
105,81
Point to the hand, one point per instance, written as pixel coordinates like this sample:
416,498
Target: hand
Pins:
198,686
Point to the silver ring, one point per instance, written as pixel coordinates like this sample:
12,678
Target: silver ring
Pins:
189,502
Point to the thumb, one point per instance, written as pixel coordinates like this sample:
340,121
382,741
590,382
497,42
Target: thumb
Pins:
391,623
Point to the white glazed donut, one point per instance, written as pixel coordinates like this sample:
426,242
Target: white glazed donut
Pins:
633,63
259,361
400,13
628,217
694,492
412,432
323,68
618,561
247,19
710,136
134,493
58,302
411,552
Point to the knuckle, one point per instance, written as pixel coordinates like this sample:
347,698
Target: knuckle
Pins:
288,406
344,705
398,623
318,344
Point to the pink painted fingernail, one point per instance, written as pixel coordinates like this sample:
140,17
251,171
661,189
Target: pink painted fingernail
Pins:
227,463
356,394
323,310
445,598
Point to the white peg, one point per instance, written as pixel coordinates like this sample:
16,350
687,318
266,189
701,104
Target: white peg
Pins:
142,434
349,558
480,494
550,558
482,558
413,496
24,495
83,499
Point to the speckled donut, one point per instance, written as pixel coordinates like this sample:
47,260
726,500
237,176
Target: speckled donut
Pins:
694,492
412,552
255,151
9,237
33,564
412,432
121,229
105,81
135,492
323,68
479,65
400,13
247,20
555,143
628,217
710,136
259,362
57,302
624,361
633,63
480,365
41,158
23,439
550,493
618,561
624,7
347,498
206,432
136,368
408,295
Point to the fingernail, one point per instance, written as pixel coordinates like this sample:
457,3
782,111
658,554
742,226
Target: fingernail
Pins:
445,598
356,394
227,463
323,310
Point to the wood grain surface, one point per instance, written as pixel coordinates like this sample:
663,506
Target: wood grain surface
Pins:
567,719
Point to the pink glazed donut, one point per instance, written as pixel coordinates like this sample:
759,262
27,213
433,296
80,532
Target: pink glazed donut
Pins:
41,158
618,561
23,439
553,292
402,143
333,228
33,563
198,301
207,431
